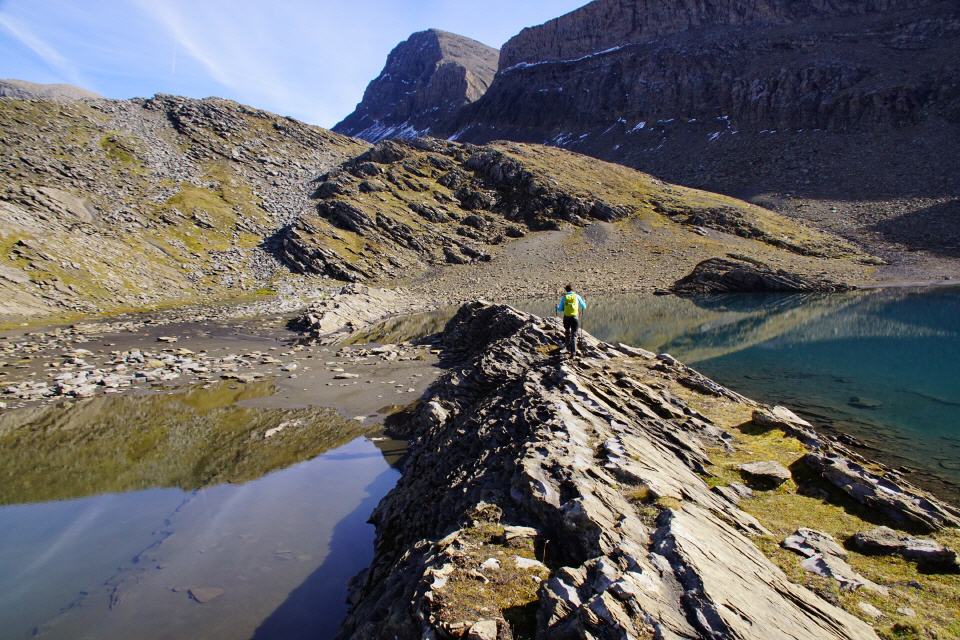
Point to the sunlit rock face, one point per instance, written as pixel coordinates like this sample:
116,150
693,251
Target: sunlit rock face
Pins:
426,80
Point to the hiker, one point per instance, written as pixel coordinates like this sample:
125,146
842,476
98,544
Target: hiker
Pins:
572,306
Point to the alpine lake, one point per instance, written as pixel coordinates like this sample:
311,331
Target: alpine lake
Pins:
216,512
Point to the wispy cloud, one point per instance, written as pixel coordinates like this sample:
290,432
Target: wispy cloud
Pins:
219,43
42,49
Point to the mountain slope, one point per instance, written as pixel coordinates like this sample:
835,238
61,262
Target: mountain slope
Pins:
457,220
107,205
426,80
24,90
112,205
838,113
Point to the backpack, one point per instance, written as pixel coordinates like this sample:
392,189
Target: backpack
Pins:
570,307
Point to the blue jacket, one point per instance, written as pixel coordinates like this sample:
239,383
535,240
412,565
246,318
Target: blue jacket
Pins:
580,303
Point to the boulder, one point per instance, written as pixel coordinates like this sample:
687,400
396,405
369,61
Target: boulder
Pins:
893,498
787,421
929,554
728,275
765,474
809,542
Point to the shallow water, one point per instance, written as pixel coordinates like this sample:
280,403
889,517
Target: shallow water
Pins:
115,507
883,366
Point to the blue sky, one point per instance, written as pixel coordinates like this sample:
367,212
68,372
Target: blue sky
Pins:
310,60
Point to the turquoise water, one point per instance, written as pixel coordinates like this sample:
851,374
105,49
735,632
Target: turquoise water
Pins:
882,366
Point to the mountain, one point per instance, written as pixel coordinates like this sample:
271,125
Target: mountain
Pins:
425,82
126,204
840,113
111,205
24,90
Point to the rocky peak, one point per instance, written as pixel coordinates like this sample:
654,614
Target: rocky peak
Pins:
426,80
605,24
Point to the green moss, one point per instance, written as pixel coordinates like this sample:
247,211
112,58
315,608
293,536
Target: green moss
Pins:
508,591
121,151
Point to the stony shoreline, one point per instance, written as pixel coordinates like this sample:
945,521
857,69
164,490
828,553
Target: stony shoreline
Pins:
617,494
608,498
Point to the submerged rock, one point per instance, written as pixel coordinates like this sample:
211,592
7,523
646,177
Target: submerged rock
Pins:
728,275
203,595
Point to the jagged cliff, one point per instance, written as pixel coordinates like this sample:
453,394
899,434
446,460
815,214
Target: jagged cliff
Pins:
835,112
426,80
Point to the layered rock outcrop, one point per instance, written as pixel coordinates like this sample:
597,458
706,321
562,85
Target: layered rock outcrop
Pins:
566,499
805,106
737,275
635,74
407,206
426,80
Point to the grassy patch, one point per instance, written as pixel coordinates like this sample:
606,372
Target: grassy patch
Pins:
934,598
508,590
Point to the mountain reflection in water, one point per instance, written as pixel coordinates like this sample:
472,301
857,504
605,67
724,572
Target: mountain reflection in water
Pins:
883,365
115,507
189,440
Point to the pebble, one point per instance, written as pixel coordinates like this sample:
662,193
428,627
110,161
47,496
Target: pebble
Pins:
870,610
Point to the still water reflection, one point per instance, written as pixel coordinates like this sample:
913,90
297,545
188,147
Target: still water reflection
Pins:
883,366
117,507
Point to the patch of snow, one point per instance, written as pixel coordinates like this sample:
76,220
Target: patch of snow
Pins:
526,65
713,136
380,131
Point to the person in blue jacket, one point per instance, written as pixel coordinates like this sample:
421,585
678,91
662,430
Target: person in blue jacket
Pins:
572,306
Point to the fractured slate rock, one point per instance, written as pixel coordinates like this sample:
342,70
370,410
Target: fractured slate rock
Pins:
556,447
824,556
726,275
894,499
929,554
809,542
765,474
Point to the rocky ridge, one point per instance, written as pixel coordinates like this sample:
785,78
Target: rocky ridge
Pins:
562,499
107,204
11,88
403,210
426,80
805,107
